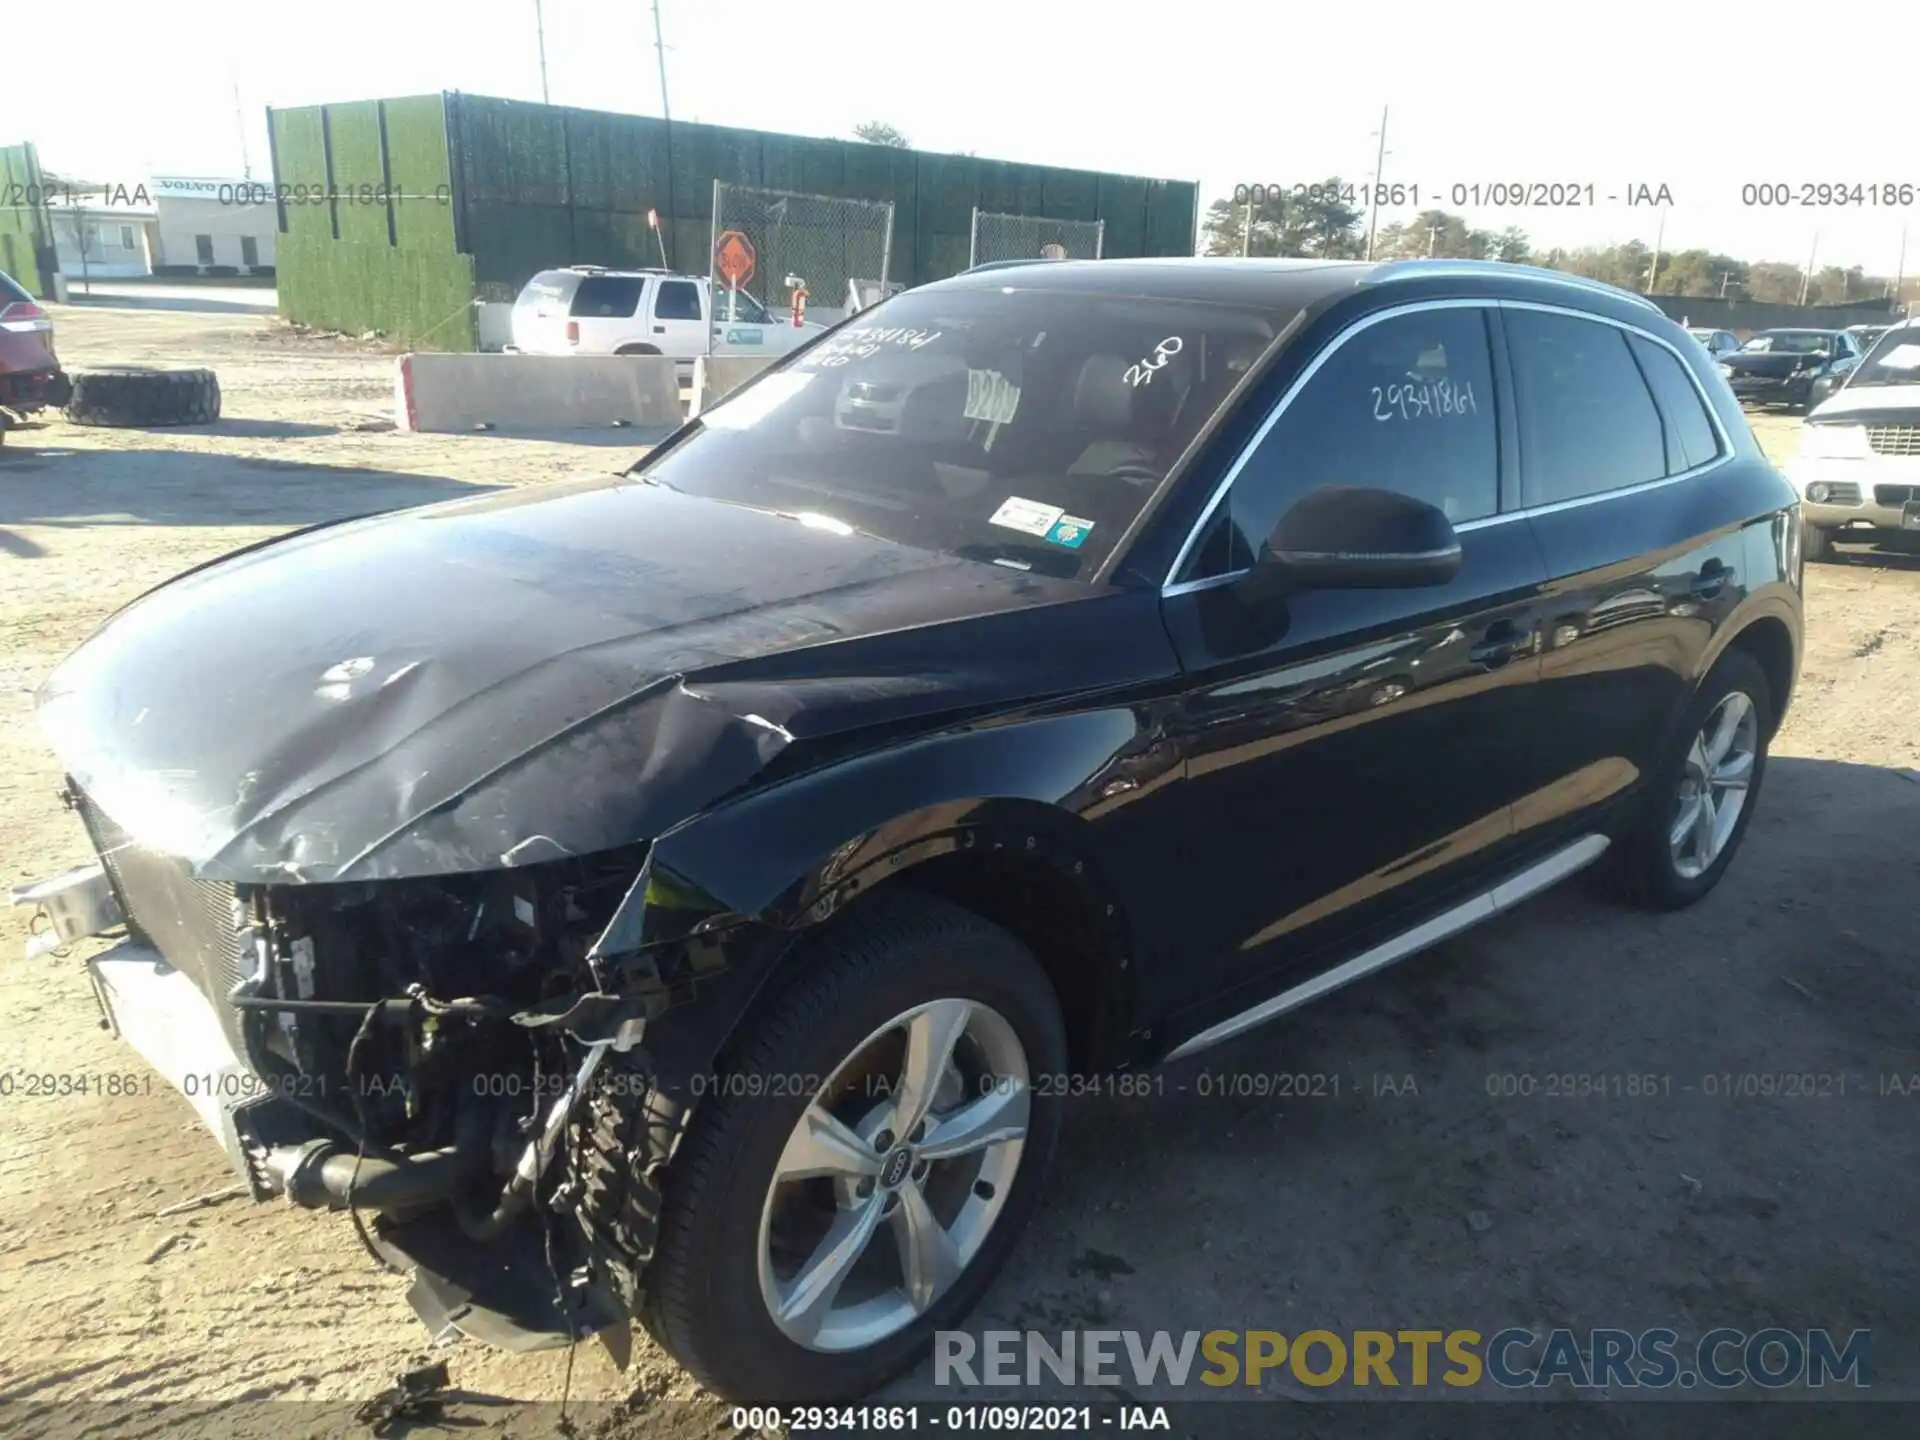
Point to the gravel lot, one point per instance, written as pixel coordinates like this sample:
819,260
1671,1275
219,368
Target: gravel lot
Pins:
1446,1208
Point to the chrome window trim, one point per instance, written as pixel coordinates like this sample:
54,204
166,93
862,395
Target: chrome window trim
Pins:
1422,269
1170,587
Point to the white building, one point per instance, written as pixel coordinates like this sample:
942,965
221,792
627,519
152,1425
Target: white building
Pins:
223,225
102,236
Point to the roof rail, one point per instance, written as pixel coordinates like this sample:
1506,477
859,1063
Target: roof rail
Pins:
1424,269
1004,264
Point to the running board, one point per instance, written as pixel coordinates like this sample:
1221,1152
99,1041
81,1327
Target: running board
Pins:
1504,896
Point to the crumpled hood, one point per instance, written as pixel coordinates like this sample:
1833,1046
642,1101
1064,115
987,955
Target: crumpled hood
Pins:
493,681
1774,364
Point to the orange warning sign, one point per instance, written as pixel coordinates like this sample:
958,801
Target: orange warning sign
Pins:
733,258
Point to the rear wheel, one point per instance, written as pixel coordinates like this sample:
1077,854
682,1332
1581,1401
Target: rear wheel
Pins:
1700,801
867,1162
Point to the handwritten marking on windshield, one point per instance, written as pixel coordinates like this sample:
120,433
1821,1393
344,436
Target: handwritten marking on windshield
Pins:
869,340
1421,399
1141,372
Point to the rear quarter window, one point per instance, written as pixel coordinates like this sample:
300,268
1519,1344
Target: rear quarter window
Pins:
607,297
11,293
1691,438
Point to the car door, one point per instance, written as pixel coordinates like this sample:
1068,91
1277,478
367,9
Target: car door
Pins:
742,326
679,319
1617,450
1352,756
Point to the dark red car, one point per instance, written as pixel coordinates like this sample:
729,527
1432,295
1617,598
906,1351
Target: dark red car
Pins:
30,373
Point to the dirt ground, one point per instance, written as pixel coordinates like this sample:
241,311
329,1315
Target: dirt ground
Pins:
1446,1208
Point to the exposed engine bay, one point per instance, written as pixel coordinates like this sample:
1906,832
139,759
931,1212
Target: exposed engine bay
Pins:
456,1059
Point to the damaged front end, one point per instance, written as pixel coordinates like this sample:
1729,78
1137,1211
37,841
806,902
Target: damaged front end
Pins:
459,1058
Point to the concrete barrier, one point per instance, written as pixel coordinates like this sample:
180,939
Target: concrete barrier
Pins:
717,376
452,393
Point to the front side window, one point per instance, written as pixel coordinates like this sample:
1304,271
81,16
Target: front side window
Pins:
606,297
677,300
1023,427
1587,420
1405,404
736,307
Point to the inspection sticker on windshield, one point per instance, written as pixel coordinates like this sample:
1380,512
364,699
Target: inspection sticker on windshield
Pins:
1069,531
1029,517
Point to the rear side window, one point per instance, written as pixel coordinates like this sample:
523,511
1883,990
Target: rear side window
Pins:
677,300
606,297
1405,404
1691,439
1587,420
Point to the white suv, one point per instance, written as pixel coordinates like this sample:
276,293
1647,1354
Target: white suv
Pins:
584,310
1859,461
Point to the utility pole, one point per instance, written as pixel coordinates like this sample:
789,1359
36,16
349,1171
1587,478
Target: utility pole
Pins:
1659,238
540,34
1433,236
1725,276
1373,205
240,123
660,51
666,116
1900,270
1246,234
1806,279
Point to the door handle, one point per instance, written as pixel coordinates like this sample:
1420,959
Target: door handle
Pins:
1711,580
1500,644
659,329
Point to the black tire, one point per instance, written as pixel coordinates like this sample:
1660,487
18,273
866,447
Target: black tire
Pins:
133,396
703,1301
1816,544
1639,868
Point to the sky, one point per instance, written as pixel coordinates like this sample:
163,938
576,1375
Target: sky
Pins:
1700,96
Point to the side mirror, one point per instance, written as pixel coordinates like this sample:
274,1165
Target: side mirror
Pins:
1345,537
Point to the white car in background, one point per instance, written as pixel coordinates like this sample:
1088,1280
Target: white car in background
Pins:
1858,468
585,310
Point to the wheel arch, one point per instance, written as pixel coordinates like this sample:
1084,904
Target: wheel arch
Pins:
1768,630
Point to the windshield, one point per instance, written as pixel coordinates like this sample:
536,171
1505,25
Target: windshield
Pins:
1893,360
1019,427
1791,342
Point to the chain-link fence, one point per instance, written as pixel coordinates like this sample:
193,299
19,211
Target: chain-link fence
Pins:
770,243
1033,237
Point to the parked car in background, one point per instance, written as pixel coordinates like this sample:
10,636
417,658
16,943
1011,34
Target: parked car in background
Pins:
1866,335
30,374
1858,467
1780,367
1718,342
694,892
585,310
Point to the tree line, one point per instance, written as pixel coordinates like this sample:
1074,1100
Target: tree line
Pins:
1323,222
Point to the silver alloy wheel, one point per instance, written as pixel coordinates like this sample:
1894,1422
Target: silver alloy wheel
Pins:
919,1132
1713,785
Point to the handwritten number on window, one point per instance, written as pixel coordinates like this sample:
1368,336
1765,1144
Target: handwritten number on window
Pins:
1422,399
1141,372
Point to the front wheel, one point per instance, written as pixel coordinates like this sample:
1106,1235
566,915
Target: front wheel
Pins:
1700,800
1816,543
865,1162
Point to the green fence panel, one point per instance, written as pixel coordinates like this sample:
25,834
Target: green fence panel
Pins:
421,172
510,242
300,165
823,167
1070,195
26,240
359,178
419,300
1123,205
